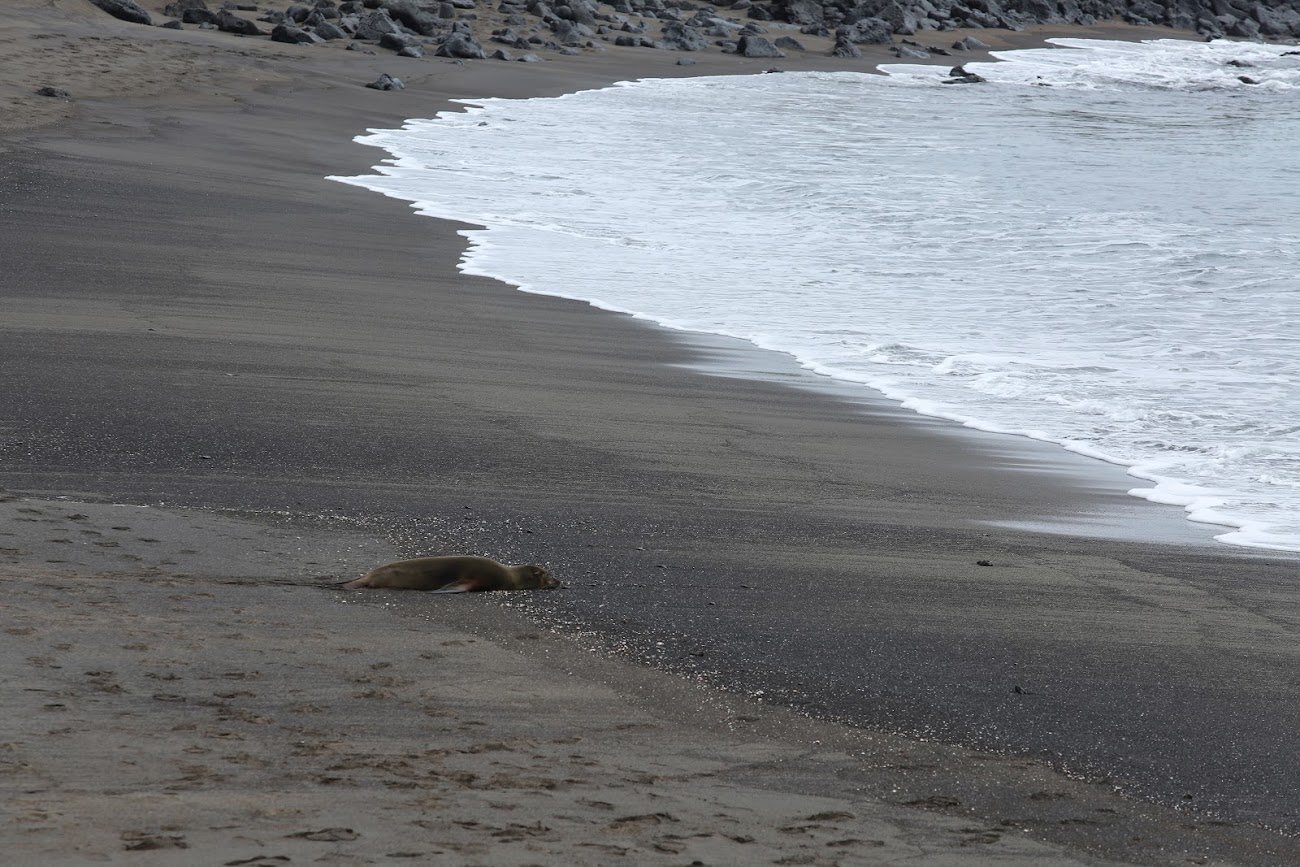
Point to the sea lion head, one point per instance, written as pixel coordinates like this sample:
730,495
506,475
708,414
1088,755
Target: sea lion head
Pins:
539,577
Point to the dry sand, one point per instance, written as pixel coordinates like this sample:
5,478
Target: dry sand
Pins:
289,382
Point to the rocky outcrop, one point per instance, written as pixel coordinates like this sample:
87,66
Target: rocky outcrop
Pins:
749,28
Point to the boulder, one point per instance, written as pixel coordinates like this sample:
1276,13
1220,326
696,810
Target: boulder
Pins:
680,37
375,25
1270,22
961,76
178,8
462,46
293,35
970,43
228,22
867,31
803,12
757,46
398,41
199,16
329,31
900,18
413,17
566,32
789,43
386,82
845,48
126,10
1245,28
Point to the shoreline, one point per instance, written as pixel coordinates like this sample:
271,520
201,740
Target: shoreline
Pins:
285,400
1195,522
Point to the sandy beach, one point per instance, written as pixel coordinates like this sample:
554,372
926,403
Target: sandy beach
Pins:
229,382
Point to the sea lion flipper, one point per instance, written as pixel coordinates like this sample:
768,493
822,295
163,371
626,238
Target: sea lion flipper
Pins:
464,585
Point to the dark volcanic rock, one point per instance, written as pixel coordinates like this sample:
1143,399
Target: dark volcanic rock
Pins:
462,45
680,37
413,17
866,31
398,41
293,35
789,43
330,31
127,10
845,48
178,8
566,32
803,12
757,46
228,22
375,25
386,82
199,16
961,76
970,43
1246,18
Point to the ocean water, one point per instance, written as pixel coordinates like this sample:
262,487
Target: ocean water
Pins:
1099,248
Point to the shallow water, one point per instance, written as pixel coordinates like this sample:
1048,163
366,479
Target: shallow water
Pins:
1100,247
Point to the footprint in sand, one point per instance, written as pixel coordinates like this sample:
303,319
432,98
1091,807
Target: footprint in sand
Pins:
140,841
327,835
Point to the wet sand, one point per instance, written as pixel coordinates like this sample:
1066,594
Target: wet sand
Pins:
292,377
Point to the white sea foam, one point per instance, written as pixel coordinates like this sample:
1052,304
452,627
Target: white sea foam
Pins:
1111,263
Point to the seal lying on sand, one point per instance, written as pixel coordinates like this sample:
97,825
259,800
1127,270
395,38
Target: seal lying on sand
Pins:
455,575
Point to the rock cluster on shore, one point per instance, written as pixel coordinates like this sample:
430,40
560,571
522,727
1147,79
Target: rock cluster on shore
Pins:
451,28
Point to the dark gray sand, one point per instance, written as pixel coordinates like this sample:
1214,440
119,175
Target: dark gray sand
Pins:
293,377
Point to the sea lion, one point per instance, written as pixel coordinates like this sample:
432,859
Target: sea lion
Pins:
455,575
